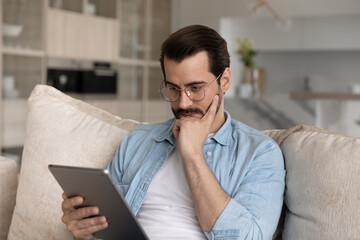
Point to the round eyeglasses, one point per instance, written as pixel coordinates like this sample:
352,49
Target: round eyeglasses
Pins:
195,92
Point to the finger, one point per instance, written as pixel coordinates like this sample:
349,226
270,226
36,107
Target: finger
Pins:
64,196
176,128
210,114
84,212
69,203
87,223
86,233
79,214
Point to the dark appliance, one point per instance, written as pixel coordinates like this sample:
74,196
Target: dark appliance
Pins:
101,79
64,80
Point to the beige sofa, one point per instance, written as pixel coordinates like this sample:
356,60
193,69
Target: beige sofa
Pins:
322,196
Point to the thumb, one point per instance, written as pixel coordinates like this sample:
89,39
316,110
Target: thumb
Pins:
176,128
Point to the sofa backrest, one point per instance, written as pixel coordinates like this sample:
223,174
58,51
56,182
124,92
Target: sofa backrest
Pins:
322,193
322,184
8,186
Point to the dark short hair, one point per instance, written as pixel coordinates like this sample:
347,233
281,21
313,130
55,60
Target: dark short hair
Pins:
193,39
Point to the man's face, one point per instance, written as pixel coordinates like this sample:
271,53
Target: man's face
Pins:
192,71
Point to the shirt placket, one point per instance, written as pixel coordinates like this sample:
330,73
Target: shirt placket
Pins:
208,151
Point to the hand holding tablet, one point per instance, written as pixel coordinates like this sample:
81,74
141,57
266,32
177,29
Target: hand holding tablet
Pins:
81,222
114,218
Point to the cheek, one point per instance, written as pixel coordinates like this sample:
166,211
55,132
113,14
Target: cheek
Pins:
206,102
174,105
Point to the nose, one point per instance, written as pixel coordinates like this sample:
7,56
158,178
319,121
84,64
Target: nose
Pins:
184,101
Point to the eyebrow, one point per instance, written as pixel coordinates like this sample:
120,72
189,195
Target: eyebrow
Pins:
186,85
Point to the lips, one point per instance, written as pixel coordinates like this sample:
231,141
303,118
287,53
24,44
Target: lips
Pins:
189,114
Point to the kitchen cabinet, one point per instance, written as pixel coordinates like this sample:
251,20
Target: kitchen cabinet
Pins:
78,36
22,64
160,10
22,25
144,25
101,8
125,33
133,29
67,5
14,119
90,7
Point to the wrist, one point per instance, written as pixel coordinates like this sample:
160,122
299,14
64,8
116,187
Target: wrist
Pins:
193,157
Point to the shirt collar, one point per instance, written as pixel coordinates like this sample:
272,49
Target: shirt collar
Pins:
221,136
167,133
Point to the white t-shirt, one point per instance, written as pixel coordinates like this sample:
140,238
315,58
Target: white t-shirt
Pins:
168,211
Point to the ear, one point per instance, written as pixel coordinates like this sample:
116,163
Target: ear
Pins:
225,81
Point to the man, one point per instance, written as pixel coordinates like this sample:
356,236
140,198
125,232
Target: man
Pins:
201,175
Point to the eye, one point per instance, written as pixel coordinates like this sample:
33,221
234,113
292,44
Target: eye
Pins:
171,88
196,88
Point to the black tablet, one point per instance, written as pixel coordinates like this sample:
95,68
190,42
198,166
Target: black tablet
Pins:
98,189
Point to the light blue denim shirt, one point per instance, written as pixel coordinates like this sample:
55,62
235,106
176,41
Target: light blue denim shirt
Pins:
248,165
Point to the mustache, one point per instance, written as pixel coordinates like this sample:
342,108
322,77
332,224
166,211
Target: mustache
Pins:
180,111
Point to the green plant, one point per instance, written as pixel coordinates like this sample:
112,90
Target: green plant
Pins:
247,52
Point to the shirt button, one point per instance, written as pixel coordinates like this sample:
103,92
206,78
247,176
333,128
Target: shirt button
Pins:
209,153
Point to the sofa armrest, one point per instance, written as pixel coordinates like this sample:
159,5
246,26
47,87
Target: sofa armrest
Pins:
8,186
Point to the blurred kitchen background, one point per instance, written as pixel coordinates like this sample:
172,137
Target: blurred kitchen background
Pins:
105,52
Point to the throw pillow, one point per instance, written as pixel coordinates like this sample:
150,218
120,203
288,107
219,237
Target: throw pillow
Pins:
322,186
66,131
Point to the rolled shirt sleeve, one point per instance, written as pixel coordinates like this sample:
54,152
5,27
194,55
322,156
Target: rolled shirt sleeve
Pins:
254,210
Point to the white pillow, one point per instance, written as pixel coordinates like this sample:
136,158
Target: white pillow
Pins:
8,184
60,130
322,186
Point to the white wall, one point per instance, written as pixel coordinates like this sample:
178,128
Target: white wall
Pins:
329,54
224,16
327,71
209,12
333,70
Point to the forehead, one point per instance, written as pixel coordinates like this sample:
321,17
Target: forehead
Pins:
192,68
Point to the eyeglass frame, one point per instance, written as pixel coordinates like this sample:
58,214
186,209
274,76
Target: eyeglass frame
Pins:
187,93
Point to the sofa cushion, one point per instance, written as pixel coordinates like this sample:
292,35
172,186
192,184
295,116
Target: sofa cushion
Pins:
66,131
322,186
8,185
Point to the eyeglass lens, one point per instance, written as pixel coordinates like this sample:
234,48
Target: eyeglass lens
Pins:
172,94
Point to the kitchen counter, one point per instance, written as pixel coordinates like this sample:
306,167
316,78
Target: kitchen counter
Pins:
335,111
341,96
